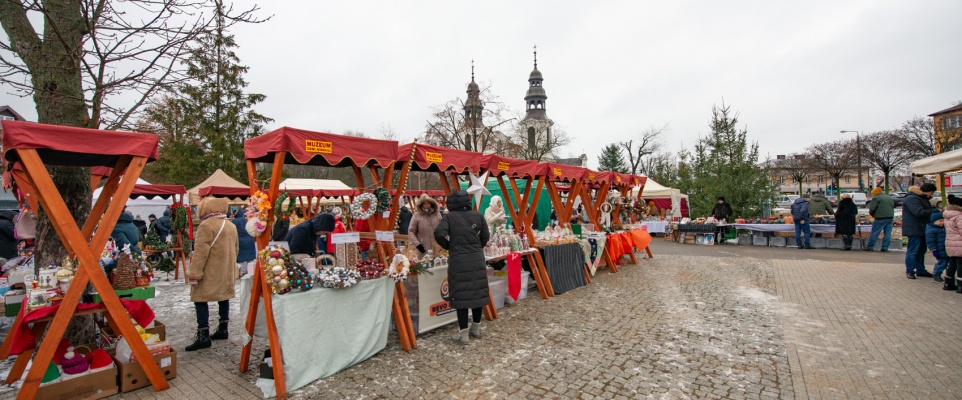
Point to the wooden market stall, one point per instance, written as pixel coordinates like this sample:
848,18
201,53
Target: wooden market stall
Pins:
39,145
449,164
300,147
510,169
177,194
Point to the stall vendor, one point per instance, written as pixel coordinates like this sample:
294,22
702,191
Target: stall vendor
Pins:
494,215
302,238
425,220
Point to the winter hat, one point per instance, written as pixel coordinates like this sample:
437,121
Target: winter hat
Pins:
52,374
927,187
151,216
936,215
99,359
721,198
73,363
955,201
877,191
61,350
323,222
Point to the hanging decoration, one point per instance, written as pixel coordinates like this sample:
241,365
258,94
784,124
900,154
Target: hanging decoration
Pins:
605,219
383,199
357,206
280,211
258,209
477,188
274,259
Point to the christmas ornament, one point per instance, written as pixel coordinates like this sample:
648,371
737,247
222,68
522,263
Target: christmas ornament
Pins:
357,206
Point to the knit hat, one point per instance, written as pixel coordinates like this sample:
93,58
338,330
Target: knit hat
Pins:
877,191
927,187
955,201
72,363
936,215
323,222
52,374
99,359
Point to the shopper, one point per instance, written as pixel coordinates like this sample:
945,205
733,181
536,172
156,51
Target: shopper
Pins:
819,205
916,211
882,209
302,239
125,233
212,269
247,252
802,221
404,220
426,218
8,241
845,220
494,214
163,225
464,233
953,242
141,227
721,211
935,240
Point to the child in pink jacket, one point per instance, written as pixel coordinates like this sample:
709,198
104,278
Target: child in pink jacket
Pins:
953,242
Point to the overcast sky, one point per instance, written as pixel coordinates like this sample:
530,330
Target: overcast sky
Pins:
797,72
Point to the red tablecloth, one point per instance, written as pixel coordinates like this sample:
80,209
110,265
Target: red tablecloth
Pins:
23,337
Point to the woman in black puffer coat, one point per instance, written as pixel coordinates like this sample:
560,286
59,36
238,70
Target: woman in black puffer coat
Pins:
464,233
845,218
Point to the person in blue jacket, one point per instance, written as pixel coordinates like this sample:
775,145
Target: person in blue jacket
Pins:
935,241
125,233
803,222
247,251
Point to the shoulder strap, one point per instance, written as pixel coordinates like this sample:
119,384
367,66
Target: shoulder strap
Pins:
224,222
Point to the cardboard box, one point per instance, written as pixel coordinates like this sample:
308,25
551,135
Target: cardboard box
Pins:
133,377
690,238
140,293
158,329
95,385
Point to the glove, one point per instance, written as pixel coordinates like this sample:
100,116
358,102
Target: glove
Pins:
421,248
938,256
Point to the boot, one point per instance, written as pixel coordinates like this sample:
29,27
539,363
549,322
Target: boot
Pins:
461,337
202,341
221,332
949,284
475,329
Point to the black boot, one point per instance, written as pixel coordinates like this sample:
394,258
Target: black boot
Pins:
949,284
202,341
221,332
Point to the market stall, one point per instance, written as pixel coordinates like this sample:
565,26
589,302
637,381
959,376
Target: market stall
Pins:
182,231
449,165
38,145
300,147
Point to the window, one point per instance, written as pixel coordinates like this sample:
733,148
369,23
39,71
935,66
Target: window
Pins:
4,117
848,179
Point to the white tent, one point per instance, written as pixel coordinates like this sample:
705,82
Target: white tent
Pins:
142,206
946,162
320,184
654,190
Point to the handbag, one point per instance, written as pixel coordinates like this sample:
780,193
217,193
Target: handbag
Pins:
25,227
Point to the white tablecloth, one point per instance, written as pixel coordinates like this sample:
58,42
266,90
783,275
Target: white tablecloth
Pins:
655,226
323,330
816,228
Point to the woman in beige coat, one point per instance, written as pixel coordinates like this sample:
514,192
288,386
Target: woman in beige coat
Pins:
425,220
212,269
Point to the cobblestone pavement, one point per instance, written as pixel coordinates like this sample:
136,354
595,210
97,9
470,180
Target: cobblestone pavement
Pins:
694,322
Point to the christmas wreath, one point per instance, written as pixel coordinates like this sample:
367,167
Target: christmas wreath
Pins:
284,212
357,206
383,199
181,218
337,278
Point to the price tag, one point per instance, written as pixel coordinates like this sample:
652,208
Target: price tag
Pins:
342,238
386,214
384,236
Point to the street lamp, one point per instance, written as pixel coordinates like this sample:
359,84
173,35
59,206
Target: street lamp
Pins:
858,153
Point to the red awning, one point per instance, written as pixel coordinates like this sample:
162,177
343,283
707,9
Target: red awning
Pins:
101,171
435,158
511,167
81,147
598,177
333,192
561,172
634,180
162,191
318,148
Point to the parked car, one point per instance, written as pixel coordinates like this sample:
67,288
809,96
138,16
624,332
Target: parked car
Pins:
936,200
785,201
898,198
860,199
833,200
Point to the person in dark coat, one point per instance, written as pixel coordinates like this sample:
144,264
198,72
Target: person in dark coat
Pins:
803,223
916,212
935,241
302,238
845,220
464,233
8,242
125,233
247,251
162,225
722,210
141,227
404,220
281,227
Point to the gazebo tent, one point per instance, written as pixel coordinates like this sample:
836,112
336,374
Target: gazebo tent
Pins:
147,199
939,163
665,198
218,178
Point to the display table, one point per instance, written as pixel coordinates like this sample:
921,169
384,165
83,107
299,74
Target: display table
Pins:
565,265
655,226
816,228
620,244
323,331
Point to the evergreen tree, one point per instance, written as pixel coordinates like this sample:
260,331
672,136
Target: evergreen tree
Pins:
215,100
725,164
611,159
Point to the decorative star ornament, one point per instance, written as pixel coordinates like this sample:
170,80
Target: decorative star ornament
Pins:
477,188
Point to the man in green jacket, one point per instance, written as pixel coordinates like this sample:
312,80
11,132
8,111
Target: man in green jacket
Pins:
819,205
882,208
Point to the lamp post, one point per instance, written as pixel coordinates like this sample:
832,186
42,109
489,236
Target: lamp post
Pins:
858,153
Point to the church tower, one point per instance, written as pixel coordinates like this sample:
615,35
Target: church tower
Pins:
536,122
473,109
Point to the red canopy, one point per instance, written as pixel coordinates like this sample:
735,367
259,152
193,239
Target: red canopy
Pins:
513,168
333,192
633,180
435,158
81,147
323,149
162,191
561,172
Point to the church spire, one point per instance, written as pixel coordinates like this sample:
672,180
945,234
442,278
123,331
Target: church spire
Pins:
536,97
473,107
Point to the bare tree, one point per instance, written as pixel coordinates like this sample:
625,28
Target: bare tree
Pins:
647,145
94,64
835,158
449,126
798,166
920,137
888,151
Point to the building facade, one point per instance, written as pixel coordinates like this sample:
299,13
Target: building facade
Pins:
948,128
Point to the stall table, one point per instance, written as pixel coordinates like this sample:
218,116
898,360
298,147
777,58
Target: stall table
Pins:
816,228
655,226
